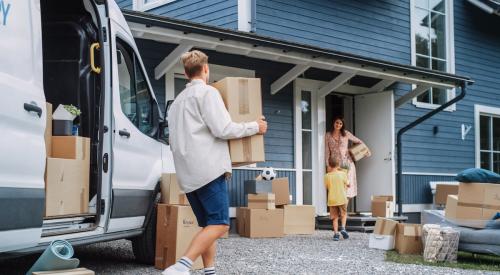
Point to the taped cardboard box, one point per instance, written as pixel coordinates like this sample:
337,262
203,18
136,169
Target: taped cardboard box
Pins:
409,238
358,151
260,223
48,129
243,100
464,215
280,188
261,201
442,192
480,195
70,147
66,187
299,219
170,190
383,234
76,271
175,228
382,206
256,187
183,200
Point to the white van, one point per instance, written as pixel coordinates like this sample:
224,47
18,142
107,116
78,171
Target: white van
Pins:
78,52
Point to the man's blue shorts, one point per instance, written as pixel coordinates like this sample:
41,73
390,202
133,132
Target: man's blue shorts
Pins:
210,203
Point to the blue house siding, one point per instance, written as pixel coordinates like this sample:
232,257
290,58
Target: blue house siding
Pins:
124,4
236,185
221,13
381,28
416,189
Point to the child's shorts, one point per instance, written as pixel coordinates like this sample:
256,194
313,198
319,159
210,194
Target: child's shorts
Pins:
338,211
210,203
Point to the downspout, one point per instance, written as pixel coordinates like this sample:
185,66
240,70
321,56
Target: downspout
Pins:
399,144
253,16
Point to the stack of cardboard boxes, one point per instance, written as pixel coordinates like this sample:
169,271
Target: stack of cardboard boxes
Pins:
67,173
176,224
268,213
388,234
475,204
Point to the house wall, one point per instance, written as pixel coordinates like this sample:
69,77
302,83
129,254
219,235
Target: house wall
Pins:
220,13
377,29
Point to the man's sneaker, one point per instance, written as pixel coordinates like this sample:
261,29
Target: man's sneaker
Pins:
173,271
345,235
336,237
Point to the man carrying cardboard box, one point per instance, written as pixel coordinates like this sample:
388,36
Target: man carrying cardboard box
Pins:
200,126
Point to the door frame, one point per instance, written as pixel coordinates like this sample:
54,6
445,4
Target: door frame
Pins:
318,126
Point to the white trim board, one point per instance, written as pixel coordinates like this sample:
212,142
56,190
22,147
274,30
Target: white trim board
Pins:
245,15
429,174
141,6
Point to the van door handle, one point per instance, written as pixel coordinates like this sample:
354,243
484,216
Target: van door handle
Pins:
32,107
124,133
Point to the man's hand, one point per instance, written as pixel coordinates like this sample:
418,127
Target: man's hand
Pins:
262,125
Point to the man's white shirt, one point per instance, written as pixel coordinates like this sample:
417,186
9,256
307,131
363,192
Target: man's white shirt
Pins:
199,127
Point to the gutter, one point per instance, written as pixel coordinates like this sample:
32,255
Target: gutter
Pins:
485,7
399,144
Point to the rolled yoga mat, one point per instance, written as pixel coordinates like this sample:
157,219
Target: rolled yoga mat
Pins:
57,256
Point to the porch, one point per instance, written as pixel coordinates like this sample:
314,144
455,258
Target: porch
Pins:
299,84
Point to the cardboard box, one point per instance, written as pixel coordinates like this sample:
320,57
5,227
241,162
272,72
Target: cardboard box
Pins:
299,219
382,206
76,271
243,100
256,187
281,190
260,223
409,238
442,192
183,200
66,187
383,242
483,195
464,215
358,151
70,147
385,227
175,228
48,129
261,201
170,190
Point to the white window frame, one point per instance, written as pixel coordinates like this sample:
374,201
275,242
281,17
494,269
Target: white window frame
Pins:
478,111
450,52
140,5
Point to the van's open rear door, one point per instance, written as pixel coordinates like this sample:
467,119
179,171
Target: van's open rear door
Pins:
22,124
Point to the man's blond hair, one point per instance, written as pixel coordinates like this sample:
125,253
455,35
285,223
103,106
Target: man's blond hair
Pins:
193,62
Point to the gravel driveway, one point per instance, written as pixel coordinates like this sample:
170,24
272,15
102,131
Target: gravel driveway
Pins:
316,254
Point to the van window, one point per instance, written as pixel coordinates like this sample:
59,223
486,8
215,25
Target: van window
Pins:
127,89
136,100
145,101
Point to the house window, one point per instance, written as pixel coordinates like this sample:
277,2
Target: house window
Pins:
432,39
144,5
489,142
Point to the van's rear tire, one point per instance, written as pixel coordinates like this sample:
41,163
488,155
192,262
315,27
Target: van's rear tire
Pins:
144,245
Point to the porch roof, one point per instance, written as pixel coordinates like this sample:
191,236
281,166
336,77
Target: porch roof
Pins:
379,73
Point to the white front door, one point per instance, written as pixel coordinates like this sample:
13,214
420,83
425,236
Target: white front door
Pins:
374,123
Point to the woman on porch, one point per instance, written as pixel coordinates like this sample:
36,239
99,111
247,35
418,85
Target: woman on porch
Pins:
337,146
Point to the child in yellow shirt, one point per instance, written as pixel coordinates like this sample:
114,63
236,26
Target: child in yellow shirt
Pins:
336,183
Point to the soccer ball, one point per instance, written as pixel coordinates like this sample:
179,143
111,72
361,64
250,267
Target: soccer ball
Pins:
268,173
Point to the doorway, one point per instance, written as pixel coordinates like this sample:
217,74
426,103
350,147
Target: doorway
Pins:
368,116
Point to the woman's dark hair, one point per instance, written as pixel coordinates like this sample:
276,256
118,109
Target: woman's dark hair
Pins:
342,130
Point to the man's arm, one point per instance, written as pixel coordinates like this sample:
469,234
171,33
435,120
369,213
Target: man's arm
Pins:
219,121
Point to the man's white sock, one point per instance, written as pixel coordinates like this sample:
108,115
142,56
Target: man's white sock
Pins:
209,271
183,264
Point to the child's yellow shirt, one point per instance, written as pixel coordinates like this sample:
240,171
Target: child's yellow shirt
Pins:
336,184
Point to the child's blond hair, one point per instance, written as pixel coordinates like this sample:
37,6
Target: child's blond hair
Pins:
193,62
